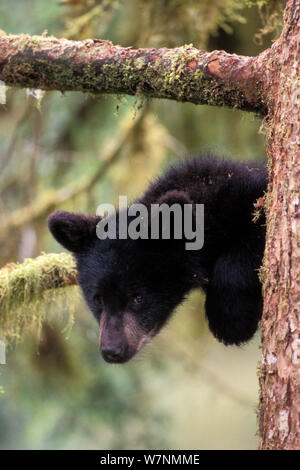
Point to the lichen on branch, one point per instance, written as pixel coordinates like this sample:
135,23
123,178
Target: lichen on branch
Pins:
96,66
26,289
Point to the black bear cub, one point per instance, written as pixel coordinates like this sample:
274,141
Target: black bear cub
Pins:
133,285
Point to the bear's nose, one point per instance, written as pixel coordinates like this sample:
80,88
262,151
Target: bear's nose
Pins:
112,353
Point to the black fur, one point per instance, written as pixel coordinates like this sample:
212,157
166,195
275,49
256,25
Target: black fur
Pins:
114,273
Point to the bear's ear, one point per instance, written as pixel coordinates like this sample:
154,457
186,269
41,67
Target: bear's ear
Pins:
73,231
175,197
169,225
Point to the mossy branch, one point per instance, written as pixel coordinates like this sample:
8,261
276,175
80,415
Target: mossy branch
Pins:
96,66
25,288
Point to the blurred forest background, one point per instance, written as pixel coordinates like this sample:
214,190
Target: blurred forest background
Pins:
185,390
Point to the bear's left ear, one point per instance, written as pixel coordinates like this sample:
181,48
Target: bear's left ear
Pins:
175,197
73,231
170,224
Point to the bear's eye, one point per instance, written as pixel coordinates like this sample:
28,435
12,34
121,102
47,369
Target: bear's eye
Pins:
137,299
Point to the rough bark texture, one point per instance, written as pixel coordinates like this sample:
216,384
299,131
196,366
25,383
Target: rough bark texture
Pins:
269,84
96,66
280,372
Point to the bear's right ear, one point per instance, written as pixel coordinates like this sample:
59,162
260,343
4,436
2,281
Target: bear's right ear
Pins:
73,231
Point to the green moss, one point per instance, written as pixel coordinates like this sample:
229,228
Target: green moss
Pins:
27,288
173,73
139,63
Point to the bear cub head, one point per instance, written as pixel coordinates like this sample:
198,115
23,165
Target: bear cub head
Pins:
131,286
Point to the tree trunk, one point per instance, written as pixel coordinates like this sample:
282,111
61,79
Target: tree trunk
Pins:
280,372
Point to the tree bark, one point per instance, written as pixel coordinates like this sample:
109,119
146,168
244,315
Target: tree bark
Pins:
96,66
280,372
268,84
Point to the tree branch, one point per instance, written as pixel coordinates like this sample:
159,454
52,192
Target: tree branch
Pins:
25,287
96,66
